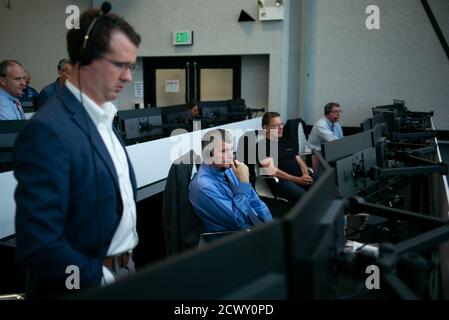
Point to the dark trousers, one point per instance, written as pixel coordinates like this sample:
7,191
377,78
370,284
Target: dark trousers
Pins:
289,190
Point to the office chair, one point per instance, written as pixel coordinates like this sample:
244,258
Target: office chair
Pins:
182,227
296,132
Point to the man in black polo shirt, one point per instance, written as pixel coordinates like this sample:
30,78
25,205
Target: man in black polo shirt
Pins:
285,165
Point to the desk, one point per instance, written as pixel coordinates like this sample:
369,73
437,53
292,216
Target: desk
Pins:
441,201
151,161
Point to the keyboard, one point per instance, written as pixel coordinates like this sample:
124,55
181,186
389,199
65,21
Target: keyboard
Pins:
354,224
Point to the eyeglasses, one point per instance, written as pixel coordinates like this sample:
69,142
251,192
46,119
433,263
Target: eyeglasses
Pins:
336,111
281,125
17,79
122,66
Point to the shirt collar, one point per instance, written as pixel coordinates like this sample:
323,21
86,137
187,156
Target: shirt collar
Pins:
331,125
4,93
103,114
217,172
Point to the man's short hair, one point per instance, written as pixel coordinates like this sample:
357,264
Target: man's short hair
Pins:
191,104
267,118
5,64
328,107
100,35
61,63
212,137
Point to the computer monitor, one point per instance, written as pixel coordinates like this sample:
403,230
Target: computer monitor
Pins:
175,117
377,133
9,130
315,236
401,109
29,104
366,125
399,102
390,118
216,111
351,172
377,119
244,265
140,125
174,114
346,146
237,110
351,156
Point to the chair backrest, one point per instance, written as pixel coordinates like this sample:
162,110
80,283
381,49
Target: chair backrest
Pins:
295,132
182,227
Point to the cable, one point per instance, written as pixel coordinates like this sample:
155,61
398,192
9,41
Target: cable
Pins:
372,227
93,156
350,295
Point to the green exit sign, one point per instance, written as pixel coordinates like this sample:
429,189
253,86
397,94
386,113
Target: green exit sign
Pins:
182,38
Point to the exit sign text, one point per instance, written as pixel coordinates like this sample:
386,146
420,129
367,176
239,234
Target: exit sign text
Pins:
182,38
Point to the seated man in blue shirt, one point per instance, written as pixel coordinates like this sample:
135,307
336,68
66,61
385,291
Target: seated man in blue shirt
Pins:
64,69
29,92
327,128
220,193
12,83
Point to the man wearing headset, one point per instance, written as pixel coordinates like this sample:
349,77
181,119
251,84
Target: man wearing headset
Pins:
220,193
76,213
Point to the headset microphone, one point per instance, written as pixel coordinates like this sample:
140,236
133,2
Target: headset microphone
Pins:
86,54
106,7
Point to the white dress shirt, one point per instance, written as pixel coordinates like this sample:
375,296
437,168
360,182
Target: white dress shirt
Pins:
125,237
324,131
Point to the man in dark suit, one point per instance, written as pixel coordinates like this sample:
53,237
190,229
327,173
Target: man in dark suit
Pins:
76,213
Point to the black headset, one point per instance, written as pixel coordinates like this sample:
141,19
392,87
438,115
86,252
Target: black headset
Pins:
86,55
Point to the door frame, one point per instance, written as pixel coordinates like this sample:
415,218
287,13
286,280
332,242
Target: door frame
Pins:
151,64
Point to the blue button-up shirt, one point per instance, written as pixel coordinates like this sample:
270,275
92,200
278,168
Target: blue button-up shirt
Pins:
225,205
8,107
49,91
324,131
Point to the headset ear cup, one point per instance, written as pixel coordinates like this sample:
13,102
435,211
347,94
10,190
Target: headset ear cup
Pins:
85,57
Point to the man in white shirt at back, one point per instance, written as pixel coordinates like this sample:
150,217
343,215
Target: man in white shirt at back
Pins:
327,128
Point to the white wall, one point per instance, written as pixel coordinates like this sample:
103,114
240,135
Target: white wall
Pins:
440,9
255,80
33,32
127,99
361,68
216,32
320,52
